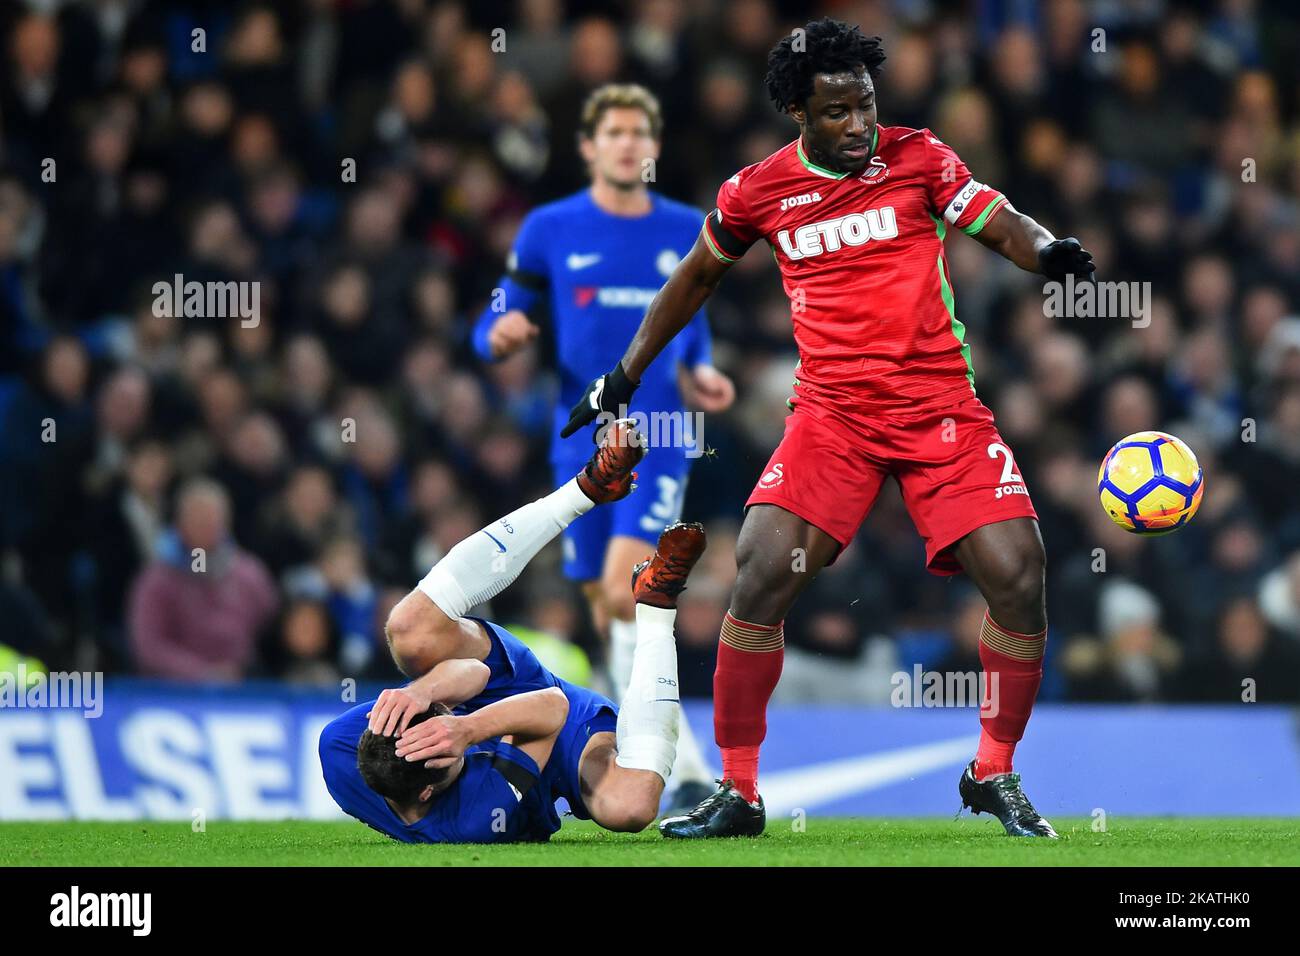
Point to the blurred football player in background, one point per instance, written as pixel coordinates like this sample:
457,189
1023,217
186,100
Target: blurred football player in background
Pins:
593,261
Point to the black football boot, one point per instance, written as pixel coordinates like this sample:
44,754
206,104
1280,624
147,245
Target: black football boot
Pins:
724,813
1002,796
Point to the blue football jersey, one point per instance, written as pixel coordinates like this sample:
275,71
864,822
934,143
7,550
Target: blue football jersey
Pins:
513,668
598,272
501,794
494,800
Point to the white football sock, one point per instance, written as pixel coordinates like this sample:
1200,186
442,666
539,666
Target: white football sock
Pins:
650,712
690,766
622,649
485,564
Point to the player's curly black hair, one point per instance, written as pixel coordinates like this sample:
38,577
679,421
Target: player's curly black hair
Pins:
825,46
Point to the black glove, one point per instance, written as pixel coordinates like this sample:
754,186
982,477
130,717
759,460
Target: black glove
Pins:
1065,257
611,393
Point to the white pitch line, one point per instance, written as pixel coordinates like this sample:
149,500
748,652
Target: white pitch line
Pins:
810,786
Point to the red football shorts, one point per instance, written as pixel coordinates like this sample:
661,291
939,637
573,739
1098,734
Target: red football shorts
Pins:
955,471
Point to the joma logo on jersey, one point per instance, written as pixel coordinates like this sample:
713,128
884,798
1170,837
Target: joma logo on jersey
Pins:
791,201
855,229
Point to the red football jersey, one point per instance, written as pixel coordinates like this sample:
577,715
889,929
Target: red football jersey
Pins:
861,258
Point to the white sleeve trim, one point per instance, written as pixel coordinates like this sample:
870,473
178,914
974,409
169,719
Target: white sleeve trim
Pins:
957,205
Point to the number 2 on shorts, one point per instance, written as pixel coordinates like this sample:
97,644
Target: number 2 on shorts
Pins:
1008,475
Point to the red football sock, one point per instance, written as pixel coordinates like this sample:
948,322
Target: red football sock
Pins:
740,766
749,665
1013,669
994,756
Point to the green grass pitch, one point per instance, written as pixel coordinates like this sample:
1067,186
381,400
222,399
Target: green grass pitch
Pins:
822,842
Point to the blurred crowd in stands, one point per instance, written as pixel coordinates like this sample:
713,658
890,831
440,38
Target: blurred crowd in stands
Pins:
367,163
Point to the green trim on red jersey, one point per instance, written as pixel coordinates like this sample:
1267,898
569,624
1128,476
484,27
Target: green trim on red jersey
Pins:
712,243
830,173
950,303
982,220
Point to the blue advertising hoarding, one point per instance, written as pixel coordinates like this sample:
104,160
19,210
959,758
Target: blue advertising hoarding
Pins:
170,752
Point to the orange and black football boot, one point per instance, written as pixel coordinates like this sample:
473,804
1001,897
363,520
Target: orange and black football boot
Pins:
661,577
609,475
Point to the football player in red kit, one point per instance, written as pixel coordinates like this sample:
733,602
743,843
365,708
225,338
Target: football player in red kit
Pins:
856,215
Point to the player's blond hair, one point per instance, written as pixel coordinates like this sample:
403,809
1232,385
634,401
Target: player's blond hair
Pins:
621,95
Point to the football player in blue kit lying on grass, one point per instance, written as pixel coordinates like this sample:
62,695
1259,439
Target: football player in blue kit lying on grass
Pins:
480,746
